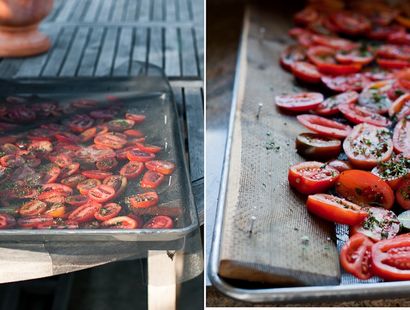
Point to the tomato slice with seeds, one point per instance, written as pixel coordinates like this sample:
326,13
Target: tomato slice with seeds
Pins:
375,97
120,222
118,182
321,55
136,118
160,222
120,124
323,126
161,166
393,171
132,169
12,161
7,221
140,156
367,145
85,213
343,83
57,210
73,180
330,105
306,72
400,107
35,222
292,54
312,177
108,211
148,148
106,164
355,256
299,102
144,200
96,174
351,23
112,140
333,42
362,57
403,194
401,137
76,200
101,193
52,196
365,189
392,63
63,189
32,208
314,146
358,114
85,186
152,179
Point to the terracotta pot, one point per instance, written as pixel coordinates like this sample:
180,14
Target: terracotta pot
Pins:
19,20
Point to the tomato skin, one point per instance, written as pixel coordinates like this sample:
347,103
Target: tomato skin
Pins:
335,209
161,166
339,69
357,115
140,156
390,258
292,54
108,211
96,174
101,193
333,42
323,126
312,177
137,118
354,56
299,102
392,63
403,194
343,83
7,221
120,222
330,105
160,222
77,200
144,200
355,256
365,189
401,137
314,146
134,133
32,208
148,148
85,186
34,222
152,179
306,72
84,213
400,107
132,169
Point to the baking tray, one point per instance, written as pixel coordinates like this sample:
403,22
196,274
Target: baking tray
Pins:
151,95
349,288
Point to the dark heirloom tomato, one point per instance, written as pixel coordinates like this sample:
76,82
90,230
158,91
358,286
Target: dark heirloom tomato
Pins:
120,222
351,23
292,54
358,114
364,189
144,200
96,174
73,180
299,102
85,186
161,166
35,222
340,165
367,145
403,194
101,193
148,148
85,213
32,208
329,106
342,83
400,107
108,211
312,177
120,124
152,179
391,258
393,170
132,169
314,146
335,209
7,221
111,139
77,200
401,137
375,96
323,126
137,118
118,182
306,72
136,154
160,222
355,256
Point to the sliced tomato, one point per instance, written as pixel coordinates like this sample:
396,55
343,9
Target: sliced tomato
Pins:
120,222
152,179
362,57
21,114
292,54
60,159
355,256
121,154
358,114
330,105
73,180
140,156
103,114
299,102
85,213
67,137
367,145
108,211
321,55
35,222
136,118
112,140
118,182
80,122
132,169
403,194
339,69
365,189
106,164
335,209
401,137
351,23
96,174
49,174
84,103
76,200
375,97
148,148
392,63
314,146
120,124
144,200
52,196
312,177
161,166
390,258
400,107
134,133
393,170
160,222
101,193
306,16
323,126
393,52
91,154
32,208
10,149
334,42
7,221
306,72
63,189
340,165
85,186
69,170
90,133
57,210
12,161
343,83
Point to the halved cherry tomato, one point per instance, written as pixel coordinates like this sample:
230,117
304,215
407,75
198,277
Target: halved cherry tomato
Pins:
333,42
93,153
85,213
57,210
365,189
112,140
321,55
393,52
136,154
69,170
329,106
355,256
73,180
137,118
351,23
90,133
132,169
77,200
401,137
12,161
393,170
103,114
339,69
161,166
360,114
400,107
52,197
106,164
134,133
299,102
120,124
342,83
390,258
292,54
108,211
63,189
335,209
80,122
85,186
152,179
312,177
403,194
306,72
101,193
314,146
84,103
118,182
122,153
362,57
32,208
96,174
367,145
392,63
340,165
148,148
323,126
160,222
144,200
49,173
35,222
67,137
60,159
306,16
120,222
7,221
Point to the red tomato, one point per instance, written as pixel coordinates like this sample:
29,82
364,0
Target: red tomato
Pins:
118,182
160,222
152,179
80,122
323,126
73,180
85,213
312,177
342,83
357,115
106,164
101,193
330,105
335,209
7,221
364,189
12,161
292,54
84,103
134,133
120,124
362,57
67,137
355,256
108,211
103,114
351,23
390,258
60,159
393,52
148,148
85,186
367,145
392,63
306,72
77,200
50,174
63,189
140,156
57,210
400,107
52,197
401,137
339,69
340,165
90,133
161,166
136,118
375,97
393,170
144,200
321,55
299,102
96,174
122,153
21,114
334,42
69,170
94,153
306,16
403,194
35,222
10,149
132,169
112,140
120,222
32,208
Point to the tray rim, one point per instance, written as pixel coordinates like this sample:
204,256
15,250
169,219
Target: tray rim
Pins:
280,294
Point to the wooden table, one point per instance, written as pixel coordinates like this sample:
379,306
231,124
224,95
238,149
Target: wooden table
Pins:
95,38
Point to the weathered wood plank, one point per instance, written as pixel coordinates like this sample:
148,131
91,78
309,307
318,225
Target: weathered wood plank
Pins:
139,51
155,49
183,10
123,56
145,11
172,49
106,11
189,65
170,10
131,12
107,53
158,10
118,12
93,10
66,10
91,52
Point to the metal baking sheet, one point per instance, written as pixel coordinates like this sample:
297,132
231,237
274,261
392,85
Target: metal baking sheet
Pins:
151,95
349,288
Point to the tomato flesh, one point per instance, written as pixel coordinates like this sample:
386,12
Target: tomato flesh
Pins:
401,137
330,105
108,211
120,222
161,166
314,146
160,222
152,179
144,200
357,115
299,102
403,194
323,126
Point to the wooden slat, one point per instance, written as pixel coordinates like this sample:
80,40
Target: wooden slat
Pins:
132,10
106,11
123,56
155,48
172,50
75,53
66,10
139,50
92,11
105,61
118,12
79,10
199,41
183,10
91,52
189,65
170,10
158,10
145,11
